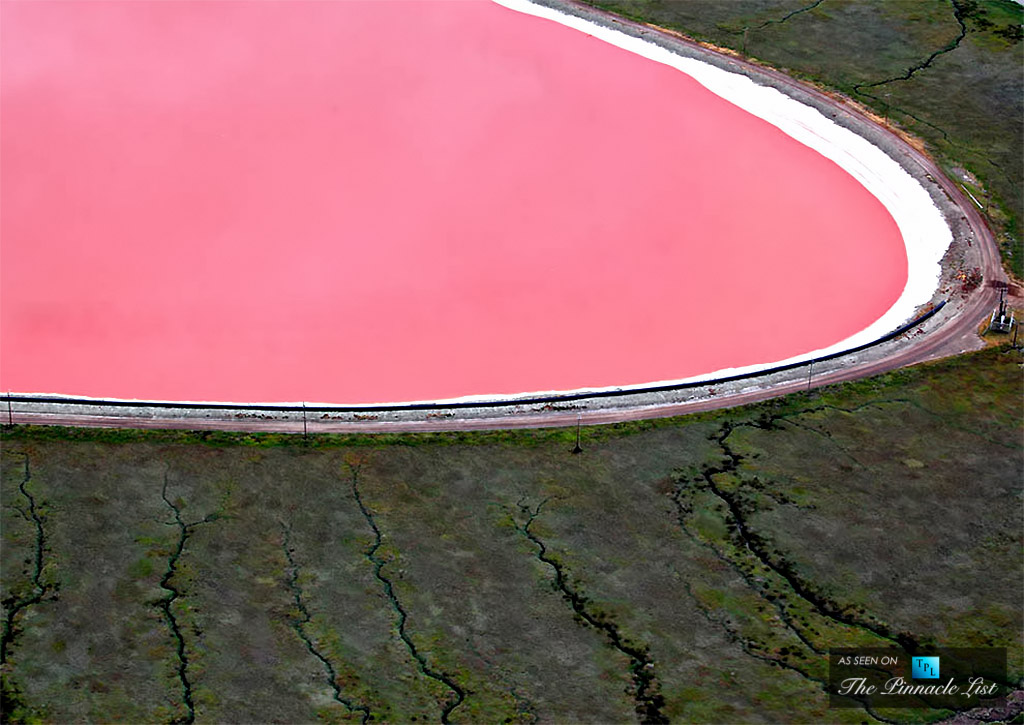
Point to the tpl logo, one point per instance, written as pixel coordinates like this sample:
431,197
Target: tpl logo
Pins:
924,668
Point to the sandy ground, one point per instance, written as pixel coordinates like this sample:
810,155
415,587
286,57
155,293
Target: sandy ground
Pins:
950,332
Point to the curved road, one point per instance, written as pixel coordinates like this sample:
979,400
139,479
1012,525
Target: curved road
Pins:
952,336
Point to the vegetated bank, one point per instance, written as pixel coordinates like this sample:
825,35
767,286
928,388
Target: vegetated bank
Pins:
691,569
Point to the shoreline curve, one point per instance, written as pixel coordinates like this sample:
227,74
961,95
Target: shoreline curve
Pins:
636,400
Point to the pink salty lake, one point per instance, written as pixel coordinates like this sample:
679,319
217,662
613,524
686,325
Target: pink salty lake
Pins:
355,202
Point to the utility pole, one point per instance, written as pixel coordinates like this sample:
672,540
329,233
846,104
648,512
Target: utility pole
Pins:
304,421
810,371
578,448
10,415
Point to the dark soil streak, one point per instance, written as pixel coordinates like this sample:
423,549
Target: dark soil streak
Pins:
746,29
40,590
902,111
958,13
648,699
751,651
299,625
524,706
682,511
389,590
893,401
164,604
747,648
755,544
766,23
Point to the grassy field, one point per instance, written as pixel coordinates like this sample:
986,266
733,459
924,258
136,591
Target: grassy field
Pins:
947,72
691,570
694,569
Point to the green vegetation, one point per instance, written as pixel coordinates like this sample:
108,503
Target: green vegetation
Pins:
947,72
157,576
691,570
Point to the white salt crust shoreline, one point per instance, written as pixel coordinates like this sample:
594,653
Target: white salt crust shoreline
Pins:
926,235
925,232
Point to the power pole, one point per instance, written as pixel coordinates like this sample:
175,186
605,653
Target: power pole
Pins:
304,436
578,448
810,371
10,415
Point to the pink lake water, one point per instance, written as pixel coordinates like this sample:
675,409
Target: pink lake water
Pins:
354,202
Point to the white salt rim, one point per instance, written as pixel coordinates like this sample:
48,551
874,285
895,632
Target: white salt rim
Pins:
921,224
925,232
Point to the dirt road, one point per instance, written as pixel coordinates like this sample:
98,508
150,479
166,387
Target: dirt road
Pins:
950,333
